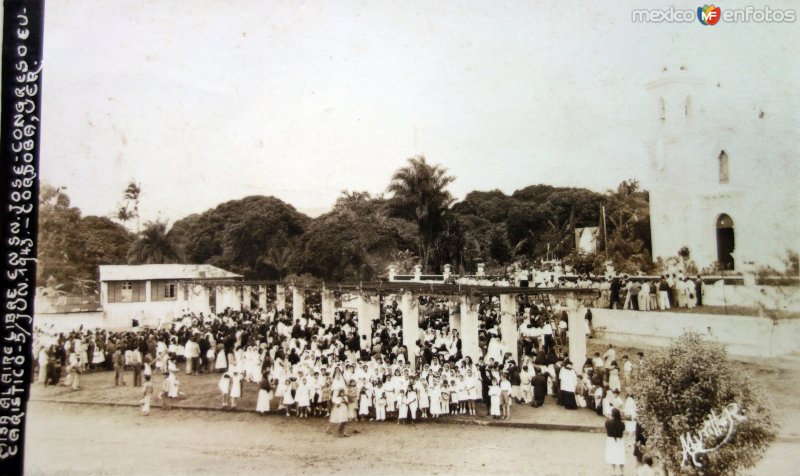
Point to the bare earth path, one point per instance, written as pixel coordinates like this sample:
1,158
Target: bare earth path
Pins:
91,439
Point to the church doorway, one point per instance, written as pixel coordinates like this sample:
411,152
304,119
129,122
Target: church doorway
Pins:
726,242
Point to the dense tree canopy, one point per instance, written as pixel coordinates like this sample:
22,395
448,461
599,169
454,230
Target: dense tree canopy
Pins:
71,247
263,237
356,241
244,236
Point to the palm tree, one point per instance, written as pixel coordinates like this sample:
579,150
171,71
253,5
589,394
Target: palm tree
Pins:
279,257
420,195
130,197
152,246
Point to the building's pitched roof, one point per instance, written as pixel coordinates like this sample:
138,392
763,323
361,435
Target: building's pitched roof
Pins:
143,272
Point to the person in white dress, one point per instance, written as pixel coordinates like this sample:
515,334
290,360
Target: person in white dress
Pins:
236,388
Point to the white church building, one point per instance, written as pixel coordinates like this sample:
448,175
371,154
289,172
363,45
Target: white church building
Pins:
724,163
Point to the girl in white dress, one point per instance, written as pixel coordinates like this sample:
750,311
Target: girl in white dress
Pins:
98,356
436,402
288,400
423,398
236,388
225,389
303,399
264,394
363,403
471,384
402,412
413,404
494,396
221,364
380,404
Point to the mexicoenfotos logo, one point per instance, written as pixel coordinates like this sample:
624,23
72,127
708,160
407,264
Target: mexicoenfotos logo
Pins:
708,14
711,15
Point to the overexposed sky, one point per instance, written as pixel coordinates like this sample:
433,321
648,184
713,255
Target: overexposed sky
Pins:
205,101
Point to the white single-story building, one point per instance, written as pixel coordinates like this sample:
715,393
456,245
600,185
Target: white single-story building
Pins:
154,293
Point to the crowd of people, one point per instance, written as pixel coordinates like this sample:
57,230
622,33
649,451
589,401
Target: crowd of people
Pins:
669,291
304,368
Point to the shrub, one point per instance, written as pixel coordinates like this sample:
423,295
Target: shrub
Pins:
680,386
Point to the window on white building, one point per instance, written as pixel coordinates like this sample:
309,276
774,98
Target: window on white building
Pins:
126,294
723,167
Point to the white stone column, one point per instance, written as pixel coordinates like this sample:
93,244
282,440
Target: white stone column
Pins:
328,307
508,324
409,305
219,299
469,327
262,297
280,297
298,303
576,331
369,310
454,317
246,291
235,293
148,291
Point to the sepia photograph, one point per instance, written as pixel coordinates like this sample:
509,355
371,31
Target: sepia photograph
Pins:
402,238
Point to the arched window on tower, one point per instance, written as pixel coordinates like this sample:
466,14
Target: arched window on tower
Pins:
723,167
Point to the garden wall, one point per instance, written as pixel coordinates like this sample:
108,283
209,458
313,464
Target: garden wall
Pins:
746,336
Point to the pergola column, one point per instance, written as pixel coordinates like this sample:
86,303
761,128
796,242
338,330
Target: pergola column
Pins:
298,303
328,307
280,297
235,293
369,310
409,305
246,297
576,331
469,328
508,324
262,297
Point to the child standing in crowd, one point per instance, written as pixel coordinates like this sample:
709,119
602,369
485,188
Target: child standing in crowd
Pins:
380,403
424,400
363,404
445,397
413,404
494,395
264,394
352,401
402,411
325,397
505,396
453,398
225,389
236,388
147,394
288,399
436,399
303,398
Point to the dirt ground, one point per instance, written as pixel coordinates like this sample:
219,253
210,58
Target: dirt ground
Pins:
67,439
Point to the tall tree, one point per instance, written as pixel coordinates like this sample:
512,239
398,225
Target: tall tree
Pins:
240,236
153,246
420,194
129,207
